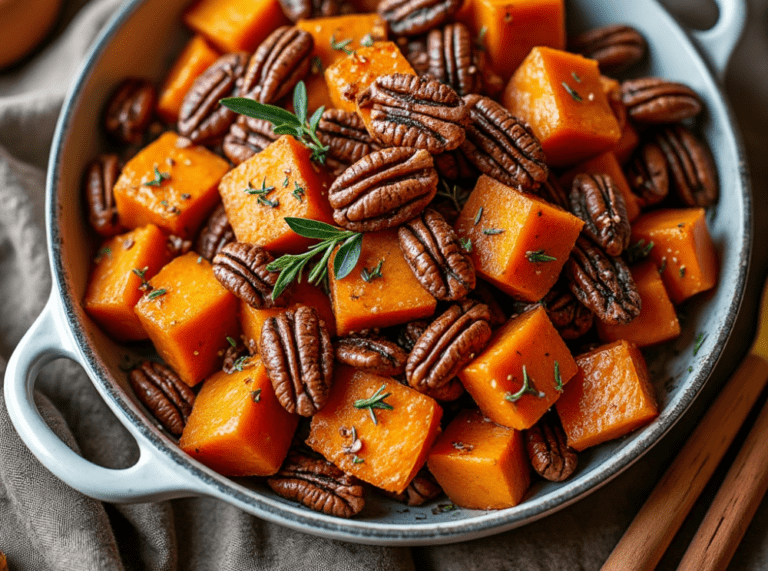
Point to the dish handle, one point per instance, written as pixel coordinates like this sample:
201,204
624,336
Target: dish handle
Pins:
154,477
719,41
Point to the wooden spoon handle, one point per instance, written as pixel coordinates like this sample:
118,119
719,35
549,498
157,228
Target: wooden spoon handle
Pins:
734,505
650,533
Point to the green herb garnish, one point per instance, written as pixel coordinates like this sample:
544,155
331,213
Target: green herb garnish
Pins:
538,256
357,460
442,508
156,293
367,41
572,92
231,341
159,178
575,77
682,271
298,192
376,401
284,122
256,395
479,215
291,266
370,275
466,244
700,338
558,378
342,45
240,363
285,182
638,251
492,231
526,389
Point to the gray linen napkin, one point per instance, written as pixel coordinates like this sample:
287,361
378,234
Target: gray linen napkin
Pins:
44,525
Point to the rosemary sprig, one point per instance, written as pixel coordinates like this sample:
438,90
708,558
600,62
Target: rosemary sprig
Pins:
572,92
526,389
284,122
342,45
538,256
376,401
291,266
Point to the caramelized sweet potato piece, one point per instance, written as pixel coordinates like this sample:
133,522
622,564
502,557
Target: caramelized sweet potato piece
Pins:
519,242
657,321
113,288
338,36
610,396
521,372
394,447
170,185
237,426
188,315
682,249
479,464
561,96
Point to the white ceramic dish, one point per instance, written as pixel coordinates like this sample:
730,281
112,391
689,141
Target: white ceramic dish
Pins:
142,40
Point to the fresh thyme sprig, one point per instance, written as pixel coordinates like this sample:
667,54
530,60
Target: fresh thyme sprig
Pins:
284,122
341,45
538,256
291,266
159,178
376,401
526,389
370,275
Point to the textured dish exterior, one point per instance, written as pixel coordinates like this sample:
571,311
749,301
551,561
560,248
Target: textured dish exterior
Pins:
129,47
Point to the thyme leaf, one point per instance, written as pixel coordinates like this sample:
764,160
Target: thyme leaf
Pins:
374,402
538,256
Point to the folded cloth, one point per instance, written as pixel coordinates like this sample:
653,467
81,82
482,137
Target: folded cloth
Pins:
45,525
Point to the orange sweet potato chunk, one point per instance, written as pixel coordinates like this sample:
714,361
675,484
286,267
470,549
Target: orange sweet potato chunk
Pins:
513,27
610,397
235,25
299,188
630,139
337,30
170,186
495,378
396,297
513,231
394,448
657,321
190,321
606,163
197,56
571,117
113,288
349,77
237,426
683,249
479,464
304,293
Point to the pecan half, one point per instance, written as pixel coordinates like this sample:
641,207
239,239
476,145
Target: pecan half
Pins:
297,353
201,118
567,314
453,165
344,133
432,250
412,111
100,180
615,48
242,269
602,283
450,391
130,110
410,333
596,199
694,176
278,64
415,51
648,174
319,485
548,449
296,10
503,147
551,191
160,390
657,100
452,58
414,17
247,137
372,354
422,488
487,295
177,246
450,341
383,189
216,234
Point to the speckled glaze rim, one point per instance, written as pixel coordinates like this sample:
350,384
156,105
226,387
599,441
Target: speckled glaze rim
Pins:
207,482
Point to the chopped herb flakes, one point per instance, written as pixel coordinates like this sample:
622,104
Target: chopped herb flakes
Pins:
357,460
575,77
341,45
156,293
370,275
492,231
558,378
442,508
367,41
159,178
572,92
479,215
700,338
256,395
231,341
466,244
538,256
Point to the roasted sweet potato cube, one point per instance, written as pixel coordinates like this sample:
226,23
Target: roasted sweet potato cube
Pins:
513,27
394,446
347,33
197,56
279,181
352,75
113,288
527,349
682,249
395,297
304,293
657,321
561,96
630,139
606,163
519,242
188,315
479,464
237,426
235,25
609,397
169,185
